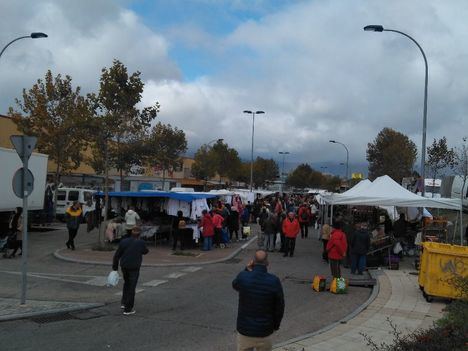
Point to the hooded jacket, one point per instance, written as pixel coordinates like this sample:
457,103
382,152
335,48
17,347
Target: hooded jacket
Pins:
337,245
73,217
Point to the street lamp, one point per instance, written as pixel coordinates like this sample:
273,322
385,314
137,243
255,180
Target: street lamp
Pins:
380,28
35,35
253,113
347,156
284,153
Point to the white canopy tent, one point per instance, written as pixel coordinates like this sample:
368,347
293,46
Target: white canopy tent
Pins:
384,191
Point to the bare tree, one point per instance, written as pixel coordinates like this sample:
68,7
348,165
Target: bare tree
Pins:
461,168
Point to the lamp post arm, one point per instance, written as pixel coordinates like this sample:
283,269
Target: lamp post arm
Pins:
11,42
426,78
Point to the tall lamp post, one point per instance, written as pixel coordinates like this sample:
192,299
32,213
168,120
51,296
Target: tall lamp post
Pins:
24,246
283,153
253,113
380,28
347,156
35,35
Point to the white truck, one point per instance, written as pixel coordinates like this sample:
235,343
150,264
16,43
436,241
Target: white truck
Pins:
9,164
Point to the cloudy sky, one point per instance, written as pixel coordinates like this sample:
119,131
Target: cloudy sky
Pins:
308,64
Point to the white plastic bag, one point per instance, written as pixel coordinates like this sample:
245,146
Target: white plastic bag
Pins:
278,239
113,278
397,248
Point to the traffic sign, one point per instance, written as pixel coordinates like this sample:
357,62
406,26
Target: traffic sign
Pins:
18,183
24,145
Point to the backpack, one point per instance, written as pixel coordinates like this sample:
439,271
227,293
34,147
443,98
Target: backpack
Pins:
304,215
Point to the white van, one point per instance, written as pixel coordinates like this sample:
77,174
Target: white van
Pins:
66,197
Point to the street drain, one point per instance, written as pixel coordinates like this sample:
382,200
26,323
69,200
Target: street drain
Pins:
53,318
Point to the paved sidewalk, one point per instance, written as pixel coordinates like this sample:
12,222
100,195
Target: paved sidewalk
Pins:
399,299
159,256
11,309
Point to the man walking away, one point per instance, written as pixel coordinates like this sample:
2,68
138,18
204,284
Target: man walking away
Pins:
291,229
261,305
360,244
73,219
336,249
130,254
270,231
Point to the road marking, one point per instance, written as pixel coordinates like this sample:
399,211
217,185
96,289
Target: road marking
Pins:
175,275
154,283
98,281
136,292
191,269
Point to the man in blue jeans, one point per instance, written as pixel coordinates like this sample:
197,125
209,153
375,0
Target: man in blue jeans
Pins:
130,254
360,244
261,305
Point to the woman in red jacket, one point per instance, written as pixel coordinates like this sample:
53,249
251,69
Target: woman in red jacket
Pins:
206,223
290,229
336,249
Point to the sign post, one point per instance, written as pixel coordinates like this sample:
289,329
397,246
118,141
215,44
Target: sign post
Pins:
24,146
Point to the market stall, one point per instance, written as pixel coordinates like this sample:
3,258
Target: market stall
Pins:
384,192
158,209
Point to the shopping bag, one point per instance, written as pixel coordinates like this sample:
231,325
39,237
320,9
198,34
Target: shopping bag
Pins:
319,283
113,278
339,286
246,231
278,239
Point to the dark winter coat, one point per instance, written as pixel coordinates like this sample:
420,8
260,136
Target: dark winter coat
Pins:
130,254
360,242
261,302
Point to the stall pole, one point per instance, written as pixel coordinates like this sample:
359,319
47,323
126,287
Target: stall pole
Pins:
331,215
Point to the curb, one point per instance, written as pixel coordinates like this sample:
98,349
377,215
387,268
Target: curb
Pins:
344,320
177,264
18,316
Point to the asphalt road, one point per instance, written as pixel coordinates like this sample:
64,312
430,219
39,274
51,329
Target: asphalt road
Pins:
178,308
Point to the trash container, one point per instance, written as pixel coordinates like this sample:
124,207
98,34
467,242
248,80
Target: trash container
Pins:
422,267
440,264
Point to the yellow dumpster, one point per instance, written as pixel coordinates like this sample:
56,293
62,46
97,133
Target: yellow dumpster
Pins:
440,264
422,267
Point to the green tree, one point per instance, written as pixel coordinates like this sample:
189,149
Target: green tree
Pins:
204,165
439,157
226,160
392,153
304,176
118,124
264,170
164,146
54,111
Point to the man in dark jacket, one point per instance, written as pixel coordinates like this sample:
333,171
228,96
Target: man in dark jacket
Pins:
130,254
261,304
360,244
